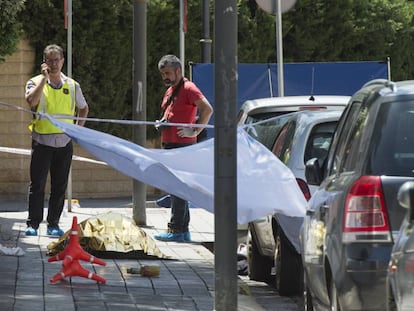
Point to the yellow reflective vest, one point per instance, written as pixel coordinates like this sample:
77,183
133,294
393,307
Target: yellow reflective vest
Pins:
54,102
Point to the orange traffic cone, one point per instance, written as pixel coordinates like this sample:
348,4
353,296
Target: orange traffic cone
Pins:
75,269
71,255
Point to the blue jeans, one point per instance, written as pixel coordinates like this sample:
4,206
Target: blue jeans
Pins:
180,213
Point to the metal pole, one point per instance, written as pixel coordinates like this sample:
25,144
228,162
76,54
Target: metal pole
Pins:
139,101
279,49
225,155
205,40
182,36
69,73
389,68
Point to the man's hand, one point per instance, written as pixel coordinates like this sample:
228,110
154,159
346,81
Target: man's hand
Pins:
44,68
187,132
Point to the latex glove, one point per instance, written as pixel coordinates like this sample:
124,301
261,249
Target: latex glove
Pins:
11,251
159,126
187,132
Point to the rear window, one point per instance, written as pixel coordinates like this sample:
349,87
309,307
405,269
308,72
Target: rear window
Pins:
266,130
264,116
393,140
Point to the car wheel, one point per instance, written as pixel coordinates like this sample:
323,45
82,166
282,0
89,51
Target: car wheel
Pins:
259,266
288,266
392,305
307,297
333,296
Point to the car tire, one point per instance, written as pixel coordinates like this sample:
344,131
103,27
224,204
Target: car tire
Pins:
333,297
288,267
259,266
391,304
307,297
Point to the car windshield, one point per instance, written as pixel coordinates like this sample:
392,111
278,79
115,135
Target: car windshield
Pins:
393,140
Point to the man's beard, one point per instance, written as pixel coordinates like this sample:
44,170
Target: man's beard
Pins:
168,82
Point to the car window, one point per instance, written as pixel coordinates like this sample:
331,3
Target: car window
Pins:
393,140
353,144
347,122
283,143
267,130
265,116
319,141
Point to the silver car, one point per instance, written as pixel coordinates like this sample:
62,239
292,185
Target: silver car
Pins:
254,113
273,242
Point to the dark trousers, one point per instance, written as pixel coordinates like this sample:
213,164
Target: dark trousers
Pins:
180,213
57,161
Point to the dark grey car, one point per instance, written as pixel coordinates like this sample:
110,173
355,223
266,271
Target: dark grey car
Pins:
354,216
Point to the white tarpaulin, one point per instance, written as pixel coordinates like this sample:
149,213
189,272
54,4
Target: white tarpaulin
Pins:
264,184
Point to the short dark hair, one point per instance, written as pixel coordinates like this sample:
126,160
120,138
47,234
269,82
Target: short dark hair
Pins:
169,61
53,48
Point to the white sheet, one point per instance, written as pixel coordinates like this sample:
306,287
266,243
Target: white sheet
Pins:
264,184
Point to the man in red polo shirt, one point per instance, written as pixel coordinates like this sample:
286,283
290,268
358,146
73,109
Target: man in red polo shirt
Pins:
183,102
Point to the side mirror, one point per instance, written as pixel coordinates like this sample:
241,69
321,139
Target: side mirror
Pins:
406,199
313,172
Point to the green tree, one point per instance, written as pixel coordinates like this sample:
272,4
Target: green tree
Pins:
313,30
101,52
10,28
350,30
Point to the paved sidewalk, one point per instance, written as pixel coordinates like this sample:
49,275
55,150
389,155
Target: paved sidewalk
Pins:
184,283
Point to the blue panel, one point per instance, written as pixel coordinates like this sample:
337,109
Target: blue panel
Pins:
337,78
203,77
260,80
253,82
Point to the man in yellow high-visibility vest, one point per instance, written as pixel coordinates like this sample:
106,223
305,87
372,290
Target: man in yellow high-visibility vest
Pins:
51,92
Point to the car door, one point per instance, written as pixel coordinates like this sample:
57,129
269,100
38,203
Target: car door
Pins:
328,196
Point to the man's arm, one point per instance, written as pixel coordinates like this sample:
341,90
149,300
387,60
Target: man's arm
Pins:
206,110
34,93
82,105
83,113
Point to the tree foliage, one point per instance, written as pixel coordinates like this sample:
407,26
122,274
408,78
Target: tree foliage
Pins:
9,26
313,30
101,51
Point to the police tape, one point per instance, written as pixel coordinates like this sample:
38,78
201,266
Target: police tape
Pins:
78,158
155,123
39,114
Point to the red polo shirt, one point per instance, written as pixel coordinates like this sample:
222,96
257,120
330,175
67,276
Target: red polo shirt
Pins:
182,109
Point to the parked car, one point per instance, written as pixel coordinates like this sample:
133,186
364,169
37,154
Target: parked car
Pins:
274,241
400,295
255,113
263,119
354,217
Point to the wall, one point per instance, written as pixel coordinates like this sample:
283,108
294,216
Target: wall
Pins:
89,180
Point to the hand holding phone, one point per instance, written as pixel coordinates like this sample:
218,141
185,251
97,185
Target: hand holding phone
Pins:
44,69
